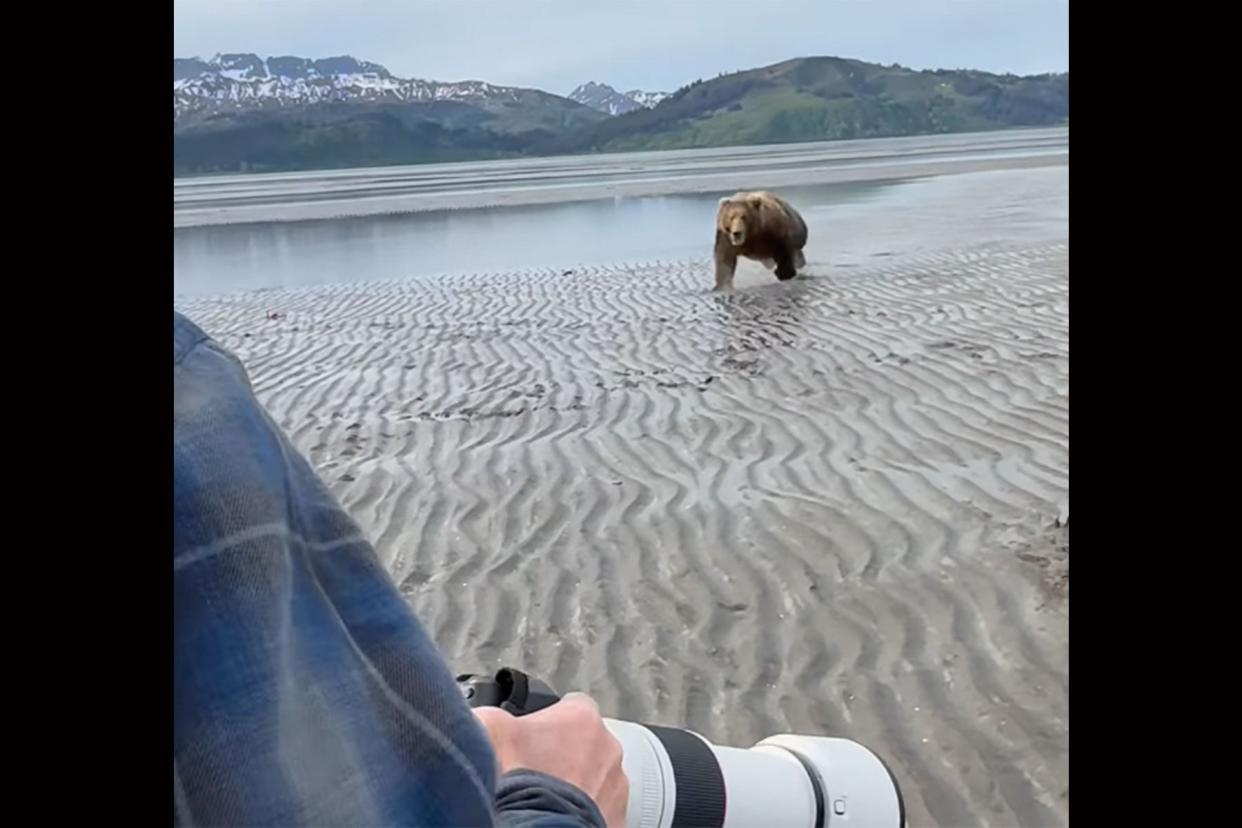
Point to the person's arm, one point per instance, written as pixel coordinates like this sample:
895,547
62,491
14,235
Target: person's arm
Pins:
305,691
531,799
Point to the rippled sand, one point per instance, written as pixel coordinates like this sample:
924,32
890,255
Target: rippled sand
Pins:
837,505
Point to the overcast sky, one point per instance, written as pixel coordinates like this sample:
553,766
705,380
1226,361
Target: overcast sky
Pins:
645,44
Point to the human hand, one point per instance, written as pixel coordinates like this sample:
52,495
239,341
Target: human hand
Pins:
567,740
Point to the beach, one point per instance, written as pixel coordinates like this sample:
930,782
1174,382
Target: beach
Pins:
834,506
332,194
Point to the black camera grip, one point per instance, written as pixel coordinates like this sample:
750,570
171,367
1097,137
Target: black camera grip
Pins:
509,689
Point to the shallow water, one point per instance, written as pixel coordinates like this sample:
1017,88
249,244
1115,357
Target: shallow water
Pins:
850,223
231,258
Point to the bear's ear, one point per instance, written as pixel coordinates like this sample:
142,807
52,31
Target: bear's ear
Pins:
725,200
756,202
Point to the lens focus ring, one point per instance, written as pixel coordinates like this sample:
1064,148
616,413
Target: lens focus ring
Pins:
700,784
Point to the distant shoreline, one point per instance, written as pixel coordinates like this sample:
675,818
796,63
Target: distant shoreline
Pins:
330,194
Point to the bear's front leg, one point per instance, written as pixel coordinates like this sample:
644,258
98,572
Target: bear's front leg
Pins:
726,262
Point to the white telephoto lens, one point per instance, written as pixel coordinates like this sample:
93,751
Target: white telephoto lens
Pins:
680,780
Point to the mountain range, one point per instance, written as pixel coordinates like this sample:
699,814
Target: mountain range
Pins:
240,112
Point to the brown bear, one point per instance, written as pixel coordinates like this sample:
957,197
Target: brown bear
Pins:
759,226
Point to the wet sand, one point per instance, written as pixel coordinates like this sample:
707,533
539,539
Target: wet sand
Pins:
306,196
836,506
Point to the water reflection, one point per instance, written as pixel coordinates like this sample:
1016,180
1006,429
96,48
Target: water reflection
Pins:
225,259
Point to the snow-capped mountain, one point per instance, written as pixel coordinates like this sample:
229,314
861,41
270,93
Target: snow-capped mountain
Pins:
646,99
603,98
237,82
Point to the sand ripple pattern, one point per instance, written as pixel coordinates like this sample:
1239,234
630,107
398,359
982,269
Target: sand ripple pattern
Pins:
837,505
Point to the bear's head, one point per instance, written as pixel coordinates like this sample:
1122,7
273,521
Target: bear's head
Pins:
739,218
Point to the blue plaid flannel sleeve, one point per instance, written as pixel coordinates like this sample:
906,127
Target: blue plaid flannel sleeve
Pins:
305,692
